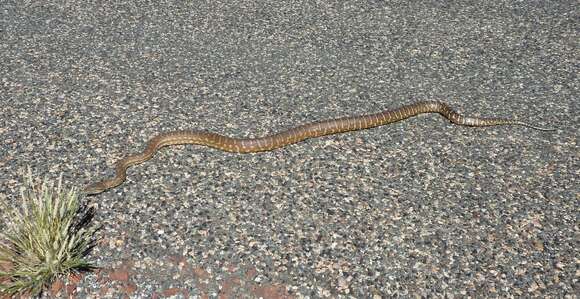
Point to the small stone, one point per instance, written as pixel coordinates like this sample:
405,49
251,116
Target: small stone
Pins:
539,245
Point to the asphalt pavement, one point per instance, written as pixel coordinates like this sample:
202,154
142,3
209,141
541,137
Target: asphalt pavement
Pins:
418,208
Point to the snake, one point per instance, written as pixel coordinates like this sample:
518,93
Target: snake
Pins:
294,135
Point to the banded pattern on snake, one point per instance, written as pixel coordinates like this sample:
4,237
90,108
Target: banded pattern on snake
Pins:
293,135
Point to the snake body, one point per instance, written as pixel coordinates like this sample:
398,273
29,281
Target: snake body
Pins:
293,135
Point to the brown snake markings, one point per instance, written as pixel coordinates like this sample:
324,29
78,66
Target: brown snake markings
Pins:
293,135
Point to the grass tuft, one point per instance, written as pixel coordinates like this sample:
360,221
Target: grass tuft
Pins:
48,237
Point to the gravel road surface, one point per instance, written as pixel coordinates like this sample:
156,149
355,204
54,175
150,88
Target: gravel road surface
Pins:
416,208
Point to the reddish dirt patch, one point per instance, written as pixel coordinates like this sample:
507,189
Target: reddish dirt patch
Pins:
119,276
71,290
121,281
5,267
201,273
56,287
229,286
130,288
170,292
174,291
271,291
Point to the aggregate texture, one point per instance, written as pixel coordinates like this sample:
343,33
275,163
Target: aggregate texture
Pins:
420,208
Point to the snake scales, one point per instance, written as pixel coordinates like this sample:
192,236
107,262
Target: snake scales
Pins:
293,135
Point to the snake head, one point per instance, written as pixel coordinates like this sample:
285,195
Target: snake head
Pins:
94,188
